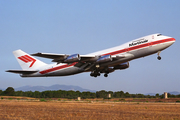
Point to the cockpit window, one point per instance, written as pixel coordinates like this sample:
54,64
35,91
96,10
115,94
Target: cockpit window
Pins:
159,34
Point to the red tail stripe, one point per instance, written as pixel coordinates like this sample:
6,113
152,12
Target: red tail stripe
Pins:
30,58
27,59
32,63
23,59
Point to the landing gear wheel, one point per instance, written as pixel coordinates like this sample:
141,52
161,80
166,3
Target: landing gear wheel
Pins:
98,74
159,57
105,75
92,74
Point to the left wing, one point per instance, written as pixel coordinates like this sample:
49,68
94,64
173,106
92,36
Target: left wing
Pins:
64,58
87,62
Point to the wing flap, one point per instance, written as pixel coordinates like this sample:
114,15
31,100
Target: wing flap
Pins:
22,71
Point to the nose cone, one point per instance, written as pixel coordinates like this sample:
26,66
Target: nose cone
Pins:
169,41
172,40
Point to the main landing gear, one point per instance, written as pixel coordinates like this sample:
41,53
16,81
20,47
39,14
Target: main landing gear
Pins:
95,74
159,57
105,75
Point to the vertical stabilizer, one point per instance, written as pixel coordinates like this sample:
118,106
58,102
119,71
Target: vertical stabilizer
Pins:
26,61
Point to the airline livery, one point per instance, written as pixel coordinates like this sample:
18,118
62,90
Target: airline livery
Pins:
105,61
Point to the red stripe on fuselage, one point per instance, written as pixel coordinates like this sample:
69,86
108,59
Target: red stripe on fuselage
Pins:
113,53
57,68
140,46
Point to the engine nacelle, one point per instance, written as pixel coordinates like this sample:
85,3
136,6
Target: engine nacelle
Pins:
122,66
72,58
105,58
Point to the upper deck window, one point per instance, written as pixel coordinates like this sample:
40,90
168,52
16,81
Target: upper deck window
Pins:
159,34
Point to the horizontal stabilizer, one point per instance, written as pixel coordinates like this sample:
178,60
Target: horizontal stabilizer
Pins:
22,71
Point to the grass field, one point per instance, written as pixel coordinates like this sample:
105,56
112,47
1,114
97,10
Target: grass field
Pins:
83,110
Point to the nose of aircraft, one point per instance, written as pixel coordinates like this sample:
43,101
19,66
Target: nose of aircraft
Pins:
170,41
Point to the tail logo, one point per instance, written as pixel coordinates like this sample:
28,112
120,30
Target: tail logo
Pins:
27,59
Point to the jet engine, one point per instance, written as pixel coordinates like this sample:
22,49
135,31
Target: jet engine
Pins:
122,66
105,58
72,58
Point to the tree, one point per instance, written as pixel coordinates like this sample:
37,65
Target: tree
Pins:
1,92
102,94
157,95
119,94
9,91
127,95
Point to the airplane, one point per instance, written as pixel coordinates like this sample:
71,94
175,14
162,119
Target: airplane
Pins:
104,61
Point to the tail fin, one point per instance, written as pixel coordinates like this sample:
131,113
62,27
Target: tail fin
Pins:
26,61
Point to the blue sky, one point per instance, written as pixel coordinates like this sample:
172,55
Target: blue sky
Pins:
84,27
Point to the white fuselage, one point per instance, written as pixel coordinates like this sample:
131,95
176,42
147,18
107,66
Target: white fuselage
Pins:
131,50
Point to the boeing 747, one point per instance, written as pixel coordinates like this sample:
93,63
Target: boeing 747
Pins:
105,61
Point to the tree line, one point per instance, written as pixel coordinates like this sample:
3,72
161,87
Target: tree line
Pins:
74,94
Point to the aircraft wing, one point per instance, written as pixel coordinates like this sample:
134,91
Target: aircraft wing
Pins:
22,71
50,55
61,57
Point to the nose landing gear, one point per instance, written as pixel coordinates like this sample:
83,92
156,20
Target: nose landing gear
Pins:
159,57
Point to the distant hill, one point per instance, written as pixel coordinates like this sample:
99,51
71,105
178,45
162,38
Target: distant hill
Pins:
53,87
172,93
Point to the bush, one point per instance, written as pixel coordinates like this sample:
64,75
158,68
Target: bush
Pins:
42,100
122,100
178,101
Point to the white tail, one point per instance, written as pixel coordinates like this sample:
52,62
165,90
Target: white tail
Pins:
26,61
